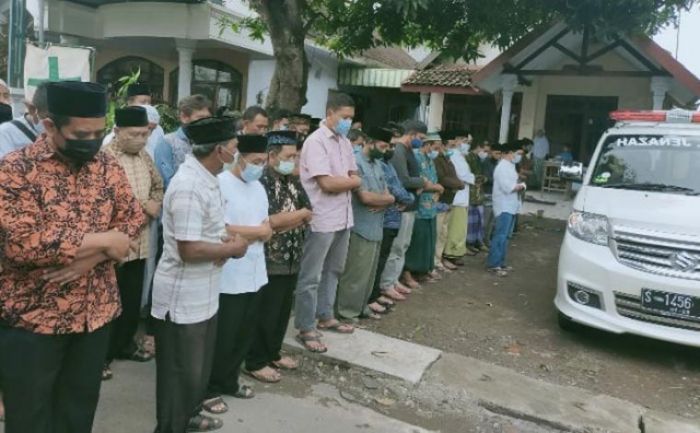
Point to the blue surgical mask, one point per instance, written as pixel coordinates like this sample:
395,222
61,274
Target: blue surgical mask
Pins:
416,143
449,153
285,168
252,172
284,127
464,148
517,159
483,155
343,127
357,148
433,154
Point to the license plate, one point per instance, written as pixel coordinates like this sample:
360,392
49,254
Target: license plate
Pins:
671,304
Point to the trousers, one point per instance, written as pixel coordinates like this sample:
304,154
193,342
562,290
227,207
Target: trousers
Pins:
322,264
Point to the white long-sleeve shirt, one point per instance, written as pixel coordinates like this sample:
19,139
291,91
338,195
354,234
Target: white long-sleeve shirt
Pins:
464,173
505,198
540,147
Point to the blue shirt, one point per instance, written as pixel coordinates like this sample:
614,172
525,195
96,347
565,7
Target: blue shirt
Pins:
170,152
368,224
392,215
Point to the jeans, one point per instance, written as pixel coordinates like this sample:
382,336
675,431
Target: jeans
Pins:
499,241
322,265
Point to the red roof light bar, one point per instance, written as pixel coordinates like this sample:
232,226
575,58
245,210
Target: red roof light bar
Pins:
675,116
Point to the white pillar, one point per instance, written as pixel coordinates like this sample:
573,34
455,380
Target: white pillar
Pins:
435,115
659,87
508,84
423,111
185,50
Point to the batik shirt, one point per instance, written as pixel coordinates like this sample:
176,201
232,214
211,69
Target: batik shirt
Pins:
284,194
146,184
427,200
46,208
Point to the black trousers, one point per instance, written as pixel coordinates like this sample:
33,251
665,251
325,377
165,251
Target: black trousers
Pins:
183,366
130,282
51,383
235,335
275,308
384,250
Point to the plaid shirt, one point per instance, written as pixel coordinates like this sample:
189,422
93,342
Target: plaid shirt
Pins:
193,210
46,208
146,184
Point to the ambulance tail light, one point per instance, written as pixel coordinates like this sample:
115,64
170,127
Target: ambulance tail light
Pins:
670,116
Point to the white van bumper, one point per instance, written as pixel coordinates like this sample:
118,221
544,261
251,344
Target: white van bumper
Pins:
594,268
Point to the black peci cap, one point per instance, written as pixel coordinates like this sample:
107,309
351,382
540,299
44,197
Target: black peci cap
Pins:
282,138
380,134
211,130
77,99
130,117
250,143
138,89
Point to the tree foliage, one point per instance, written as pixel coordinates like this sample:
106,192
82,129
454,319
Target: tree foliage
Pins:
454,27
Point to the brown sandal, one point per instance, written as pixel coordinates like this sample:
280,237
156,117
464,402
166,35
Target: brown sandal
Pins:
305,339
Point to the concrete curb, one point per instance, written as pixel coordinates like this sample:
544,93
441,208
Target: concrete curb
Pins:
502,391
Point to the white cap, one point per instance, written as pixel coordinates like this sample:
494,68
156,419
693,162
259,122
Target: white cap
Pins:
152,113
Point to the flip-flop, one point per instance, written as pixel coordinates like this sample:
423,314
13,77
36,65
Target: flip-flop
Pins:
336,327
303,339
209,405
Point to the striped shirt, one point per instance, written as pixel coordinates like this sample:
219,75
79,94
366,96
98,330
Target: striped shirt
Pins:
192,211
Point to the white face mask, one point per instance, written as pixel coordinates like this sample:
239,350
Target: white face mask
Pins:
517,158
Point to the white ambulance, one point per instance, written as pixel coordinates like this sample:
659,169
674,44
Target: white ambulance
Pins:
630,260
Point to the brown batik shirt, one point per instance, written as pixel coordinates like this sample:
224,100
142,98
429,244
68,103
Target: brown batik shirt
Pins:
46,208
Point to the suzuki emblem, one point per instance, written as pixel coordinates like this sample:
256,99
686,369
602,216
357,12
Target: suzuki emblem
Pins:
684,261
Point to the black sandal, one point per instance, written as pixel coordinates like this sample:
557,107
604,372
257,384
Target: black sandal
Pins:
107,372
244,392
202,423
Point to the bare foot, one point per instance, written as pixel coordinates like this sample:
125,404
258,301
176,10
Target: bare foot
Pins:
394,295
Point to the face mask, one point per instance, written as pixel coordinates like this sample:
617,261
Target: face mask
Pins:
284,127
252,172
343,127
132,145
433,154
388,155
464,148
483,155
80,151
449,153
517,159
228,165
375,154
416,143
285,168
357,148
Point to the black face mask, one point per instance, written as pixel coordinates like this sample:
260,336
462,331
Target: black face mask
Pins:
375,154
81,151
388,155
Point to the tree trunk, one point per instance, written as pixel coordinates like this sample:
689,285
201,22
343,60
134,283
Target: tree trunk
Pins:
286,28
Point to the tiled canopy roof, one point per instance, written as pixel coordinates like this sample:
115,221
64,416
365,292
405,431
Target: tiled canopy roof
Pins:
442,76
